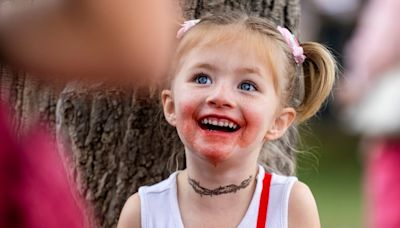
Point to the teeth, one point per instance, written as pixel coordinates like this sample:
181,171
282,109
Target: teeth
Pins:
221,123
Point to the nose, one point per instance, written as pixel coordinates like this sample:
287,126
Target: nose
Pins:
221,96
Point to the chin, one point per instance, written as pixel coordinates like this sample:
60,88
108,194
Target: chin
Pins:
215,157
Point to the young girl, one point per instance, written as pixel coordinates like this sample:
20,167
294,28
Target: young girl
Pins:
239,87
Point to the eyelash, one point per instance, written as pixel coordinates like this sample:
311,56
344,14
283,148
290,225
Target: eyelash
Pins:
250,83
199,75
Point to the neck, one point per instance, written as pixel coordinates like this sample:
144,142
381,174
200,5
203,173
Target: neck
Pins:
228,173
231,171
225,180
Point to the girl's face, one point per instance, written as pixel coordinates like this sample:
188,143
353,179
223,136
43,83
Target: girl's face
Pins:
224,104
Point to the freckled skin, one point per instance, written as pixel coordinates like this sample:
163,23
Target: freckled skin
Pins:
253,111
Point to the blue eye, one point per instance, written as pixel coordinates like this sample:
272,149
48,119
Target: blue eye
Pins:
202,79
247,86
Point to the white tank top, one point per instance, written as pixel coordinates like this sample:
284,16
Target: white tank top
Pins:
159,203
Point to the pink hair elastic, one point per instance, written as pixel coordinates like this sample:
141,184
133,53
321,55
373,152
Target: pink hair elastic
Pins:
186,26
294,45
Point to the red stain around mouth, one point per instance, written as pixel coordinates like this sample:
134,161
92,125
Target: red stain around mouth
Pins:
205,143
215,146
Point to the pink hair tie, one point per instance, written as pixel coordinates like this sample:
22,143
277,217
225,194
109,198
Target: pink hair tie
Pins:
291,40
186,26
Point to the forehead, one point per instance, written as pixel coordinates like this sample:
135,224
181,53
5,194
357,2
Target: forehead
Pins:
233,38
230,57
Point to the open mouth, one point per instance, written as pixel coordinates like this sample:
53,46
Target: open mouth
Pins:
216,124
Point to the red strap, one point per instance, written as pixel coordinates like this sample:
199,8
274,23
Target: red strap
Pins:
262,210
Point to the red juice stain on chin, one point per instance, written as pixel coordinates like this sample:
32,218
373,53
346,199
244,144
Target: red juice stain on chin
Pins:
217,159
213,155
206,148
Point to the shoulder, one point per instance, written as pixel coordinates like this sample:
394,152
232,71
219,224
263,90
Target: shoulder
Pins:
159,187
130,215
147,199
302,207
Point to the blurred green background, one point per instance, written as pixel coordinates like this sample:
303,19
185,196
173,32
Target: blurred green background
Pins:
331,166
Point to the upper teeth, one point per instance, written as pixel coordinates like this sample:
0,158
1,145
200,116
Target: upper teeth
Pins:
219,122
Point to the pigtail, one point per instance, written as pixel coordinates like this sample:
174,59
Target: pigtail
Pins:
310,87
319,75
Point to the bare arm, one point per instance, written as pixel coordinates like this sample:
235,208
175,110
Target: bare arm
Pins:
303,212
130,215
114,39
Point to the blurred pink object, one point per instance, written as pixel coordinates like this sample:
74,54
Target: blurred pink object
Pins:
384,184
34,191
374,48
371,90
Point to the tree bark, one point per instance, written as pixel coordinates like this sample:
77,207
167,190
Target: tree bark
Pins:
117,140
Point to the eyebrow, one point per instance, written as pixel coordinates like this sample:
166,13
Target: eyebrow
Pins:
206,66
249,70
243,70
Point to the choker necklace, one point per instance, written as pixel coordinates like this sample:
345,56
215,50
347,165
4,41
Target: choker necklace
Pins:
232,188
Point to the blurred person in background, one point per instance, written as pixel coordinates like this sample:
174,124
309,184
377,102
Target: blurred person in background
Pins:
370,97
120,41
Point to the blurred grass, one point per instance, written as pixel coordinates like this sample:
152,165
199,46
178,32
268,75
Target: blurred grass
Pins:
331,167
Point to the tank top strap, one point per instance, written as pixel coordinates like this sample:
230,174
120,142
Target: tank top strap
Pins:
263,208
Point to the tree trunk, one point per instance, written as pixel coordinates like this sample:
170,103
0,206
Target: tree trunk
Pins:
116,139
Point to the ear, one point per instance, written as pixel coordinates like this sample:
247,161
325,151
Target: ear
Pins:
168,107
281,123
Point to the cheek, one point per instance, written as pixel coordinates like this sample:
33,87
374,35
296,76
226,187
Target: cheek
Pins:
185,120
258,122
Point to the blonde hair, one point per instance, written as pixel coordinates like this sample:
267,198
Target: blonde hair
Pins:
304,87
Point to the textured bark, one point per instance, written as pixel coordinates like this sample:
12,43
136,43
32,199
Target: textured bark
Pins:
116,140
31,101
